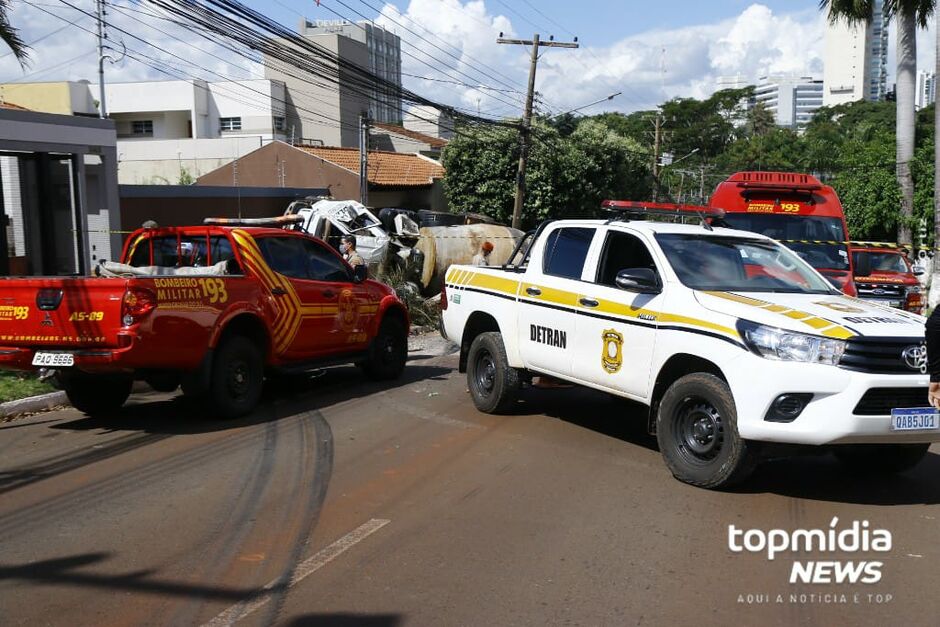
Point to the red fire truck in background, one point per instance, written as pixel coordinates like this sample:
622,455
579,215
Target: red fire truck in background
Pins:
796,209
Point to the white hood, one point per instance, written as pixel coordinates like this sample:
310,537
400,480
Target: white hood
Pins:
817,314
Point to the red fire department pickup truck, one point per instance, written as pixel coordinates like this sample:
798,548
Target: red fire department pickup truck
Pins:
211,308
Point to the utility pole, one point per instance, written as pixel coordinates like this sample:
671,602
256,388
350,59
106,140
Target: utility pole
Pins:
102,108
657,139
527,113
701,186
364,123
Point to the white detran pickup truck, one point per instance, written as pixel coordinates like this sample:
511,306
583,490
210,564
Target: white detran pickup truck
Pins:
730,338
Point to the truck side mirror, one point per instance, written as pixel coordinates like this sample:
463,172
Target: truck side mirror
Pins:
360,273
641,280
863,264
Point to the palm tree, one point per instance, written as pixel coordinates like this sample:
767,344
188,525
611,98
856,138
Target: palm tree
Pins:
10,35
908,14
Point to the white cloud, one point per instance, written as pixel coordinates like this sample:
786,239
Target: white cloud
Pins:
71,54
462,34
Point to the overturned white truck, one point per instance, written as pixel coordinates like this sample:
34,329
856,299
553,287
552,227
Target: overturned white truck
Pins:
399,243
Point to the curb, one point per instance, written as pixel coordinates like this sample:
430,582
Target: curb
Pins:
33,404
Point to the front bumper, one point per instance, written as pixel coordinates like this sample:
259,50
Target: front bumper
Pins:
829,417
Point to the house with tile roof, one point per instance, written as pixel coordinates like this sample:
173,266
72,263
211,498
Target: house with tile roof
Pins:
396,138
396,179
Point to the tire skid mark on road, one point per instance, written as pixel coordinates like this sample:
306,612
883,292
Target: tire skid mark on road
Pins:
235,523
14,478
306,568
91,491
316,459
429,416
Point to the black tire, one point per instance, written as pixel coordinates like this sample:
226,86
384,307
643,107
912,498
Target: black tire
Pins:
880,459
237,376
493,383
388,351
698,436
96,394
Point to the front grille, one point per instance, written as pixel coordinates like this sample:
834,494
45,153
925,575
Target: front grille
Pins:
880,290
880,401
879,355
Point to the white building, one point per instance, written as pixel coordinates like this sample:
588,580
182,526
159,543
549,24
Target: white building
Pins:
324,113
175,131
735,81
926,89
792,99
856,60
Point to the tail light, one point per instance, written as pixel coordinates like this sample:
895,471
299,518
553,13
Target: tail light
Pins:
442,303
137,303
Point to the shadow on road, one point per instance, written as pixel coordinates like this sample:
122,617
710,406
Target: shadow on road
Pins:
823,478
156,413
66,571
346,620
807,476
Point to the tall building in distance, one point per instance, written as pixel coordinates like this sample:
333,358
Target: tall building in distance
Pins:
856,59
791,99
926,89
318,110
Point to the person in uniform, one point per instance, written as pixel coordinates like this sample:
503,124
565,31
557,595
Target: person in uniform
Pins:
482,258
347,246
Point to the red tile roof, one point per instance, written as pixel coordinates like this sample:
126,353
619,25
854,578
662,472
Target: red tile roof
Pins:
388,169
430,140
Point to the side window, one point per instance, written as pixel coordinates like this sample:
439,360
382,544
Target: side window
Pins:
565,252
322,265
220,249
285,255
622,251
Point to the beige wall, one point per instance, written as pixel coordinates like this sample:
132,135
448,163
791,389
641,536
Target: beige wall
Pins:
59,97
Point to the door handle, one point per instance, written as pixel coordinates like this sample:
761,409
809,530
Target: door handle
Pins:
329,294
278,291
589,302
533,291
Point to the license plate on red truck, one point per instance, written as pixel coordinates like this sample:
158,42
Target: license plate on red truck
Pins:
54,360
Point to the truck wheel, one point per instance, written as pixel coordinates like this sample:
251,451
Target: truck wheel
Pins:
698,436
236,380
494,384
880,459
96,394
388,352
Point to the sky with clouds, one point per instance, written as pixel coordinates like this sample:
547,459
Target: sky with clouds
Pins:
675,48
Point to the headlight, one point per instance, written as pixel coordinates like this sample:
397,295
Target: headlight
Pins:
914,289
774,343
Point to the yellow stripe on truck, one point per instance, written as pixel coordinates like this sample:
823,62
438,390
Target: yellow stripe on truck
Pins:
835,330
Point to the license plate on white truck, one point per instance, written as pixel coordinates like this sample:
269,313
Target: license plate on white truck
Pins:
54,360
915,419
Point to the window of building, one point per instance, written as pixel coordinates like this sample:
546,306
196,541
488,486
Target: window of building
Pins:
230,124
279,123
142,127
565,251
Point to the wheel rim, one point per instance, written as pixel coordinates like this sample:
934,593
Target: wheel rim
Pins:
485,371
699,430
239,379
388,350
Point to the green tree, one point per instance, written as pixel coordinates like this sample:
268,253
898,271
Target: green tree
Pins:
867,186
760,120
907,14
566,176
11,36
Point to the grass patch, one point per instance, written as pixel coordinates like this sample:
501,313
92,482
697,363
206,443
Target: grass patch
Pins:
422,311
16,385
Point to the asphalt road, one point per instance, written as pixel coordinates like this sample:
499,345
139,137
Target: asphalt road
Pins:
342,502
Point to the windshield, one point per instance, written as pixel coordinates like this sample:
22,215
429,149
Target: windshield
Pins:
738,265
791,229
883,262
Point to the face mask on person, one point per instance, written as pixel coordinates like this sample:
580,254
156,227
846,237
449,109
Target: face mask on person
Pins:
344,248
